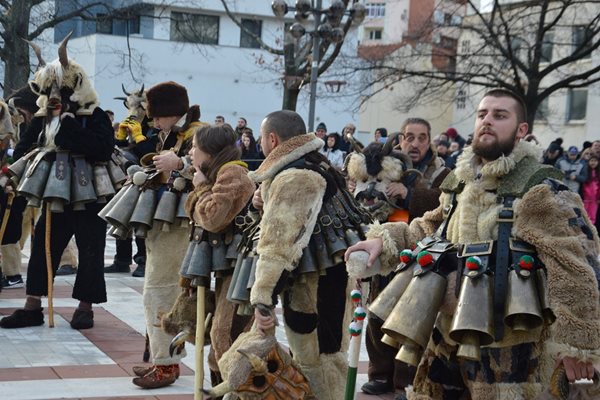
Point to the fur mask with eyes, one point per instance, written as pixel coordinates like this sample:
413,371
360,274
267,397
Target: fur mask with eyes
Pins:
373,170
62,85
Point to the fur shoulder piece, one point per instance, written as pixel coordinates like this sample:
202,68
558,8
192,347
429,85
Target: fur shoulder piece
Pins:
287,152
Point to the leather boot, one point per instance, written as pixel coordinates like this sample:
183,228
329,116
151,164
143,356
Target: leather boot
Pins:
140,370
159,376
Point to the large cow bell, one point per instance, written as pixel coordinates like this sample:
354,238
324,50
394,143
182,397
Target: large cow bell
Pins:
200,262
143,213
17,169
117,176
121,212
34,182
411,321
165,211
473,322
102,183
58,185
82,187
180,214
111,204
383,305
522,310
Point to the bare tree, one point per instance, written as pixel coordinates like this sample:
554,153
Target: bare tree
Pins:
534,48
20,22
297,54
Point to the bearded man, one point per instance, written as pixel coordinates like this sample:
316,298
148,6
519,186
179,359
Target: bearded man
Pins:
510,219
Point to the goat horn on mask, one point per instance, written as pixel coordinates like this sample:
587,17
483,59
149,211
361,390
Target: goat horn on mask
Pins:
62,51
37,51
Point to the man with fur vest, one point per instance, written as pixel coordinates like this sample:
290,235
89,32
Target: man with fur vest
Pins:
503,205
168,106
296,182
414,192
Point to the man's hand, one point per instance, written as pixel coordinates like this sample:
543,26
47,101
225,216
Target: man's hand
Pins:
257,201
396,189
351,184
372,246
576,370
263,322
167,162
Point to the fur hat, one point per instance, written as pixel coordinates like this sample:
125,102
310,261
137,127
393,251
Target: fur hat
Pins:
167,99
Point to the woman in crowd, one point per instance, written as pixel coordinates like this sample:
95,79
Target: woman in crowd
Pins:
590,190
331,151
250,152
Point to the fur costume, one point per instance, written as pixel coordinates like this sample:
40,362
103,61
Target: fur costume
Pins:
553,221
373,170
316,307
214,207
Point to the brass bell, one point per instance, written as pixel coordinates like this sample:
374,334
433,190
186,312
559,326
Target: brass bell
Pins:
383,305
236,273
240,292
473,322
165,211
180,214
185,264
121,212
17,169
522,309
411,321
58,186
102,183
82,187
389,341
200,261
542,287
232,248
111,203
307,262
117,176
142,218
34,181
120,233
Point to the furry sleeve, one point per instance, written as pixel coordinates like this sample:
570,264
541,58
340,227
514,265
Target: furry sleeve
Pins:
214,208
95,139
292,203
557,225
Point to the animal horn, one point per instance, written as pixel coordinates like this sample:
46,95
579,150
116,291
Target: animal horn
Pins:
141,90
406,160
258,365
11,102
389,143
120,98
37,51
220,390
125,91
62,51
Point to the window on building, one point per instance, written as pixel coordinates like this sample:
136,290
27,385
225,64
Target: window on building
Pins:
195,28
375,10
582,39
547,46
117,26
577,104
465,47
375,34
438,17
246,39
543,110
448,42
461,99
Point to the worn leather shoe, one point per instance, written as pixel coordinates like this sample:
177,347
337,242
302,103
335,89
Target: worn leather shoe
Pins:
66,270
159,376
140,271
141,370
82,319
377,387
22,318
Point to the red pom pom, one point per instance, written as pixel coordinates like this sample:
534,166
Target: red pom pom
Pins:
526,262
5,170
424,258
473,263
406,256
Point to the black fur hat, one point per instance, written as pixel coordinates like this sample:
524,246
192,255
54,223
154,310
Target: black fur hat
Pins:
167,99
25,98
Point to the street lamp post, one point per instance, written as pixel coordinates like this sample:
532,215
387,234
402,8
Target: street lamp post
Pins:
325,29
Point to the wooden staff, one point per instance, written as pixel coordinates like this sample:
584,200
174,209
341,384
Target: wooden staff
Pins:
49,269
199,342
6,216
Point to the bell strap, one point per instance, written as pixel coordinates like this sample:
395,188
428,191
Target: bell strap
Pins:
505,222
